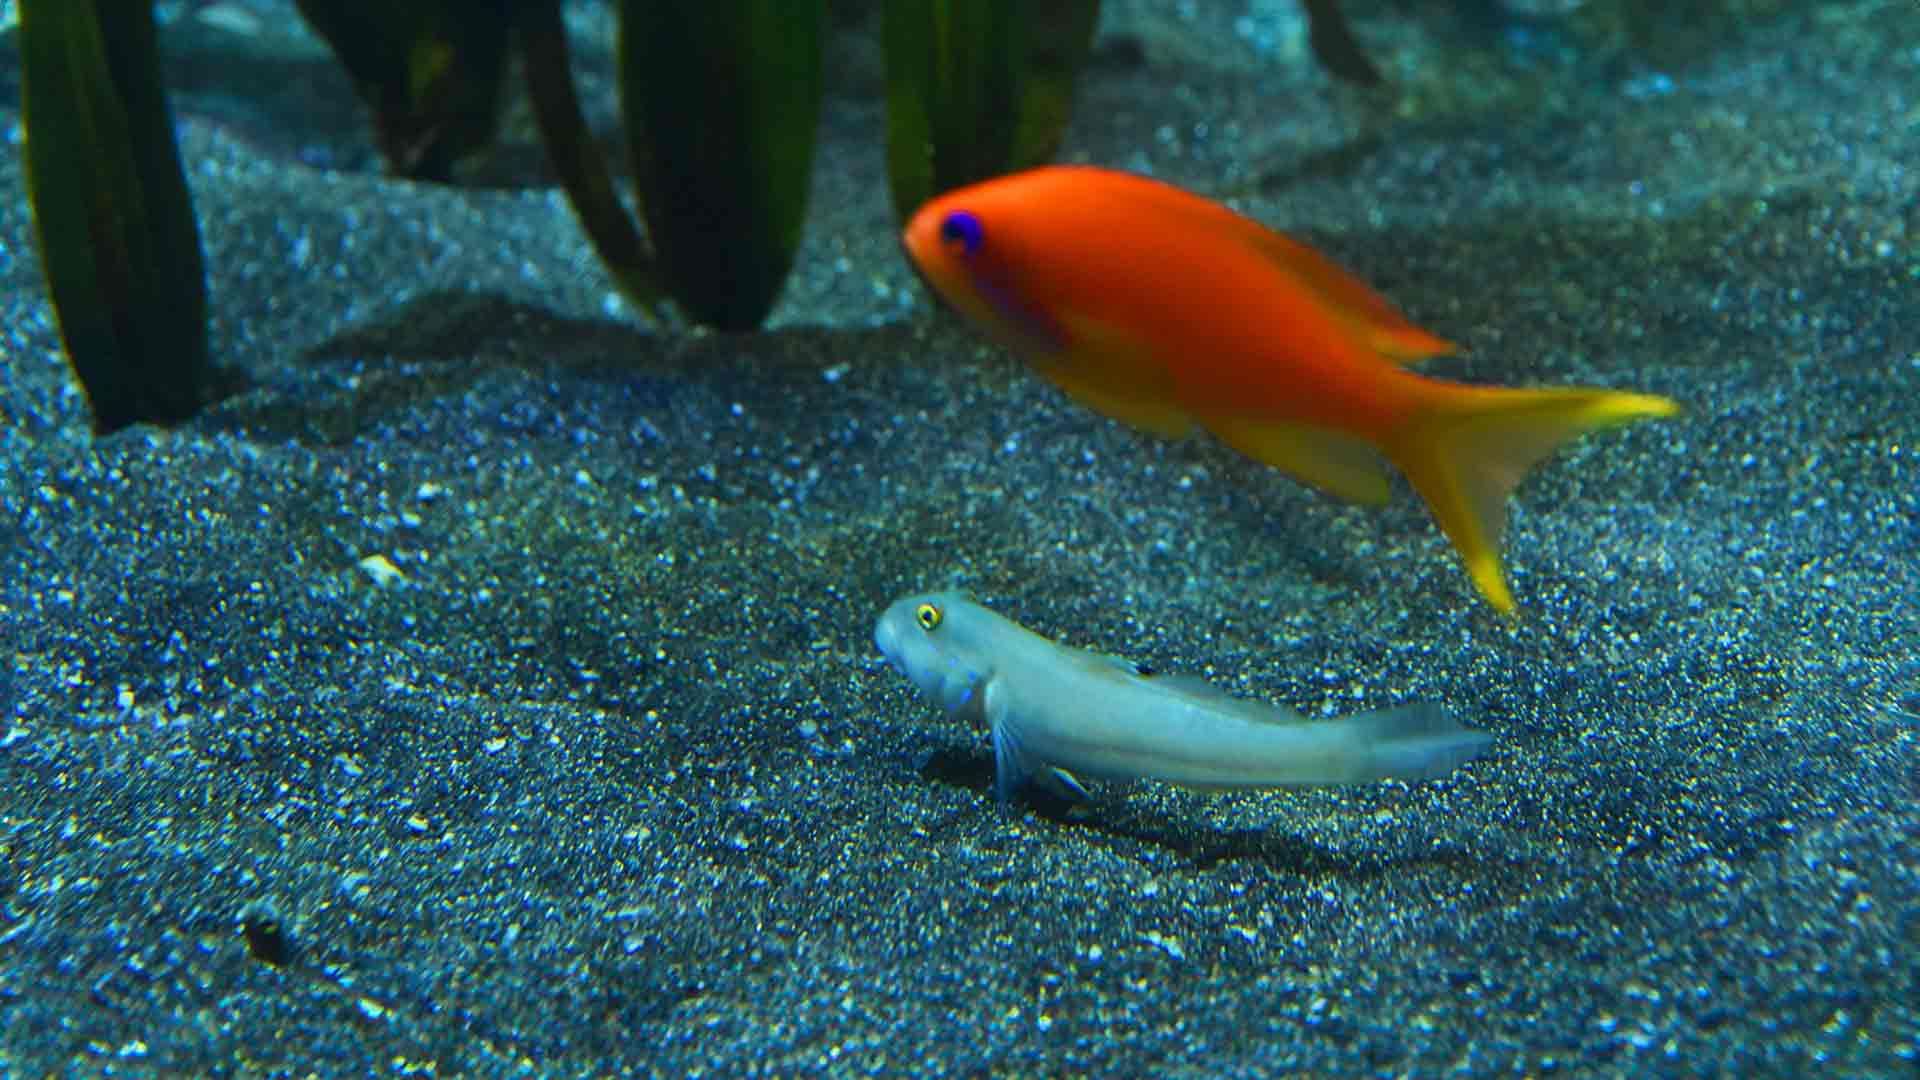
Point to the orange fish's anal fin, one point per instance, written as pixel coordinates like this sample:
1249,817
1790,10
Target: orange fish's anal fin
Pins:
1470,449
1338,464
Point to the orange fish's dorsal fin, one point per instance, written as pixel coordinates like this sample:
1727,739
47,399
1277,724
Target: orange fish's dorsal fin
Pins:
1384,329
1381,328
1112,373
1338,464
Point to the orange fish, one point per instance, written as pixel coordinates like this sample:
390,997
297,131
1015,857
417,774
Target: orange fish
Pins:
1165,310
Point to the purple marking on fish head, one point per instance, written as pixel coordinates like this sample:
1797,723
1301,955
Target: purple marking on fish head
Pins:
991,266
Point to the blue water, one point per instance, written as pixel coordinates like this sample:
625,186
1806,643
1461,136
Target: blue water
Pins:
488,686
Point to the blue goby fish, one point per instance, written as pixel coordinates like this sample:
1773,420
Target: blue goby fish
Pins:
1057,712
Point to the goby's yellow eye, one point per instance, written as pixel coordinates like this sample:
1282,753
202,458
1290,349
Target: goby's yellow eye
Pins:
927,615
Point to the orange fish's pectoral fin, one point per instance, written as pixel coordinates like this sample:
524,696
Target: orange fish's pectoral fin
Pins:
1154,414
1110,372
1339,464
1467,454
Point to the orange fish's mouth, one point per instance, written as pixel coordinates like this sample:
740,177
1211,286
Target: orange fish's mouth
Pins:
919,270
918,241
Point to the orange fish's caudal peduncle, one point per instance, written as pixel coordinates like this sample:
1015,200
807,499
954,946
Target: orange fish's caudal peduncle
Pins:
1165,310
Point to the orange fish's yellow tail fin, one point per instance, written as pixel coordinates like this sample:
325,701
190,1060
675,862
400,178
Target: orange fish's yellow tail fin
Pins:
1467,453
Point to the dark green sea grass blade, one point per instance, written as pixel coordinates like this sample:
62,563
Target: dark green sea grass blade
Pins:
113,218
1335,46
431,72
721,101
577,160
977,88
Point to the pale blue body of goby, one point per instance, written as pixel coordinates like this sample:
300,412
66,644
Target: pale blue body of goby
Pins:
1054,709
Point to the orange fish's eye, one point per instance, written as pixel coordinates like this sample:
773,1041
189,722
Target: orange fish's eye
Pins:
927,615
961,231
